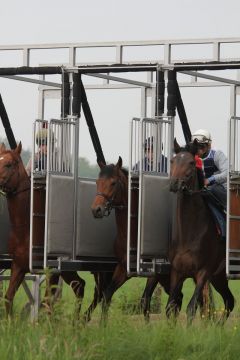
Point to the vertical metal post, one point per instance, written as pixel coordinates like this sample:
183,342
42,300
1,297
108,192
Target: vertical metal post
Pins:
75,174
140,157
143,101
233,106
36,298
129,198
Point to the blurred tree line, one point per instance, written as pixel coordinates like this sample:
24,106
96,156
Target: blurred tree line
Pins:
84,166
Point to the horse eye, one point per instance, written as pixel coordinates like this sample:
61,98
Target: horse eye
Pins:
8,165
114,183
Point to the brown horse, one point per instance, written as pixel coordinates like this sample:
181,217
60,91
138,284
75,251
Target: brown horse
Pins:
112,192
197,250
15,182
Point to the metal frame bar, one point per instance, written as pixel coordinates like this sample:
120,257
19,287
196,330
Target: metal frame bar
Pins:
119,46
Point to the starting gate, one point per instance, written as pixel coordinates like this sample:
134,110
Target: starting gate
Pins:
151,142
233,203
61,206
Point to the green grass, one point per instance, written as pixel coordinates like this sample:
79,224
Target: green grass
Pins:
125,336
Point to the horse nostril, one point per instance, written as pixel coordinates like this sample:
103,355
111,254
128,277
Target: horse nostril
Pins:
174,185
97,212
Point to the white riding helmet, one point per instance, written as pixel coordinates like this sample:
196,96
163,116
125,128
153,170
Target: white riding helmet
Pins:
202,136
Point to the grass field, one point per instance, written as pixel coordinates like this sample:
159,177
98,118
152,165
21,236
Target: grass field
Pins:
126,335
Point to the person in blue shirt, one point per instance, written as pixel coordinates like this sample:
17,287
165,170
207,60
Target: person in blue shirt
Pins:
148,164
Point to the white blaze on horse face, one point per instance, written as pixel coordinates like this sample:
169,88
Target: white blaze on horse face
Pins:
1,158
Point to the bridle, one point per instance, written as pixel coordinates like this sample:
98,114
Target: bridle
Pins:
5,191
109,205
184,184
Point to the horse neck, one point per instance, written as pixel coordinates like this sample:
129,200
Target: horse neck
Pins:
121,214
192,214
19,201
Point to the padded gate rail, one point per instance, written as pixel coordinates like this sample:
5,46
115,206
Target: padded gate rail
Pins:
95,237
60,215
156,216
4,226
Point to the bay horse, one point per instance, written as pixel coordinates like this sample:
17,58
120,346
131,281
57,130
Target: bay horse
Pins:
15,183
196,250
112,193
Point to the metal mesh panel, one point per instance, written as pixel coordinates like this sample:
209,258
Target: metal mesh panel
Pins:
95,237
62,146
234,148
54,146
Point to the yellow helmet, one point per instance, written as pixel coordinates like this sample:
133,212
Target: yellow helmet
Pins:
42,136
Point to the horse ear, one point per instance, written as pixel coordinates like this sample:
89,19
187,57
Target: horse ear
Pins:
100,164
2,147
194,147
177,147
119,163
18,148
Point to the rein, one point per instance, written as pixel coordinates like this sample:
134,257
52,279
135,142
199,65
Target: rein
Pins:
16,192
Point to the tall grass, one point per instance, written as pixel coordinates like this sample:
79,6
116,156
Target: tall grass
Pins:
60,336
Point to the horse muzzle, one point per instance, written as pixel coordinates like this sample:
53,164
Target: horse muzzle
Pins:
177,185
98,211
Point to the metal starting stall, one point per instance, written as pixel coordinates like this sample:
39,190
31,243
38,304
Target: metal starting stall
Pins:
233,200
70,233
64,235
151,142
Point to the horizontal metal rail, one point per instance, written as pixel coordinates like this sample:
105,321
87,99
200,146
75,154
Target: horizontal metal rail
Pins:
119,47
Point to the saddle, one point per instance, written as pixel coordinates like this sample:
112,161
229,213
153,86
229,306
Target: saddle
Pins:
217,210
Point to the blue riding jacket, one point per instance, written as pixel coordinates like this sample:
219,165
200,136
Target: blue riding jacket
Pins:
216,167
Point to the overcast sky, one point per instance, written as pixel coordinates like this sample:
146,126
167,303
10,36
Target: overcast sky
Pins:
57,21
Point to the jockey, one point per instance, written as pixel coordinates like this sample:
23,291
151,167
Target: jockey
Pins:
215,165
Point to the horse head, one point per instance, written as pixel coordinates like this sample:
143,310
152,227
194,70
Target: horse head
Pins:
111,189
11,168
183,168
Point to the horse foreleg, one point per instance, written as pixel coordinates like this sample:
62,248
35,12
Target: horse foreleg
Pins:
220,283
118,279
17,276
175,294
77,284
102,280
147,295
201,279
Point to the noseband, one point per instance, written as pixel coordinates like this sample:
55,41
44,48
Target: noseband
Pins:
184,186
110,200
